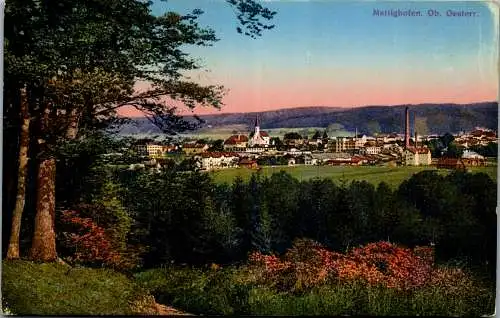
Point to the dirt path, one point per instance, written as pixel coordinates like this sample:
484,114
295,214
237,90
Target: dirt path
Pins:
167,311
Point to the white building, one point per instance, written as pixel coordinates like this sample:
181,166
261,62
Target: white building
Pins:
218,160
151,150
469,154
371,150
420,156
310,160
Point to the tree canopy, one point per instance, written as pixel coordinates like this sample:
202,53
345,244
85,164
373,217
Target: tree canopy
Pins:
80,61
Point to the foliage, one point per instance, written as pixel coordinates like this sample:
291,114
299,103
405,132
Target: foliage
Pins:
454,151
292,136
183,217
54,289
214,291
91,191
357,284
217,145
87,241
490,150
307,265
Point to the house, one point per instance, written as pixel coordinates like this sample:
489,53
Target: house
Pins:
248,163
417,156
194,149
359,160
338,162
150,149
309,160
325,156
342,144
154,151
218,160
359,141
450,163
236,143
370,148
473,159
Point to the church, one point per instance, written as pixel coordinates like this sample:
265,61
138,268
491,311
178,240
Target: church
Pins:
259,138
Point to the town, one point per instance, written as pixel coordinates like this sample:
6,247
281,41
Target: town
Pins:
258,148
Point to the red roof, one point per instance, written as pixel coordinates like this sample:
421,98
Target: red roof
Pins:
449,161
247,161
193,146
264,134
219,154
420,150
235,139
477,133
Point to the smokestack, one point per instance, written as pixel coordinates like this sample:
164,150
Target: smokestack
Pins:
407,128
416,137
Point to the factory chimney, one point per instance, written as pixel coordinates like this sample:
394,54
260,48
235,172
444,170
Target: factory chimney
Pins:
407,128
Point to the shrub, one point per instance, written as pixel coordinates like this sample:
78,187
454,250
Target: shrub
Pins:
88,242
401,268
310,280
308,264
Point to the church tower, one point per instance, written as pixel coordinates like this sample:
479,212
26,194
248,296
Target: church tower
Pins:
257,125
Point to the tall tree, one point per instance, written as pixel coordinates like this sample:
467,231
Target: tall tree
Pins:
13,251
59,49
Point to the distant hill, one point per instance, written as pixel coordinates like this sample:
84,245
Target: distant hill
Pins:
427,118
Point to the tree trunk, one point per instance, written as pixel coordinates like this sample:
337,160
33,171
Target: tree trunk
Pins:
72,129
13,251
43,247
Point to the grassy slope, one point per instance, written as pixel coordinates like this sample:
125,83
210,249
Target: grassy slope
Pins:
53,289
392,175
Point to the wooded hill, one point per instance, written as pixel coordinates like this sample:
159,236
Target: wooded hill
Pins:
428,118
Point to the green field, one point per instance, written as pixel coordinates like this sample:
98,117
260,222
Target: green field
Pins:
373,174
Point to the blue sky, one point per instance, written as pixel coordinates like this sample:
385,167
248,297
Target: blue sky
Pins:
332,53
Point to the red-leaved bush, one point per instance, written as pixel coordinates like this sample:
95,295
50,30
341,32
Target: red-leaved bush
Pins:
88,242
308,264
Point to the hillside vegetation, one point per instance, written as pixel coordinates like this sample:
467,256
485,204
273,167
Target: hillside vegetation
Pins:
428,118
377,279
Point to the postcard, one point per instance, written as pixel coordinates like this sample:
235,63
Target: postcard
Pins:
249,157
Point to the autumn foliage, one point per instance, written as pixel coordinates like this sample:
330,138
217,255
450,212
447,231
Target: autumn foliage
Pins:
308,264
88,242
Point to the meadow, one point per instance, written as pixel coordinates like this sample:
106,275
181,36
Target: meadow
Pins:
373,174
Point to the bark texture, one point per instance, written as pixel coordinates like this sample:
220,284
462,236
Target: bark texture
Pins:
72,130
43,247
13,251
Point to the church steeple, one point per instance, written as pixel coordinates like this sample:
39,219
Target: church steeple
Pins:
257,124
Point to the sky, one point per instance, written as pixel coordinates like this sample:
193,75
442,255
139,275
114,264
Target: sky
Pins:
333,53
